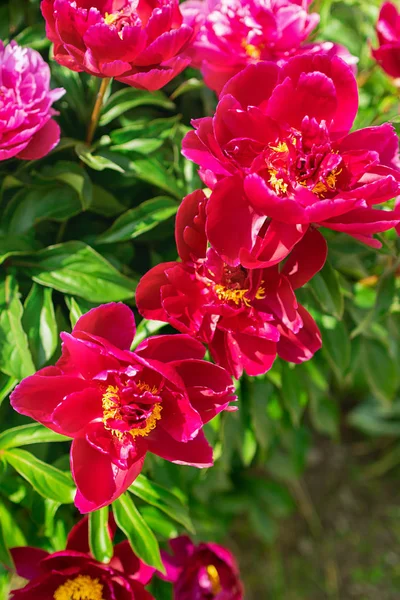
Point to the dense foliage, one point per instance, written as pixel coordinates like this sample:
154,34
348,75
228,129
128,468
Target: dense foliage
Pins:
82,221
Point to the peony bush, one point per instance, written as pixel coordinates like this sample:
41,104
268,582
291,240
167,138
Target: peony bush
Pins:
199,284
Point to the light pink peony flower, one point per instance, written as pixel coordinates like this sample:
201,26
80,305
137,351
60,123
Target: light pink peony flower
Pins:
138,42
27,129
236,33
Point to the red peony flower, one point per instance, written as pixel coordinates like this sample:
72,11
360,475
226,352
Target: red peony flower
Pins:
27,127
140,43
284,133
203,572
74,573
117,404
388,31
236,33
246,316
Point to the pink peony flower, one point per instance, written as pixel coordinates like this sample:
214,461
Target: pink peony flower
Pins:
236,33
388,32
74,573
117,404
246,316
282,132
27,129
140,43
202,572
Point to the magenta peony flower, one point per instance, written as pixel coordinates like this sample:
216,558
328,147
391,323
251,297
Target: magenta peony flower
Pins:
73,573
246,316
203,572
283,134
117,404
388,32
236,33
140,43
27,129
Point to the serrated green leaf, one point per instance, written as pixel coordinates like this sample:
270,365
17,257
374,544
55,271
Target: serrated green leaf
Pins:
48,481
140,219
139,534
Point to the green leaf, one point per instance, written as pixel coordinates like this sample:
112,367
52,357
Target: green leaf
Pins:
326,289
100,542
128,98
75,268
12,533
152,171
96,162
24,435
39,322
73,175
140,219
48,481
187,86
140,536
104,203
7,384
163,499
31,206
146,329
5,556
15,357
11,245
335,345
261,391
294,395
380,370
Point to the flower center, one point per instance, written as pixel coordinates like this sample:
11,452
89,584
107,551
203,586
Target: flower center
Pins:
120,18
82,587
237,296
252,50
284,169
215,581
141,418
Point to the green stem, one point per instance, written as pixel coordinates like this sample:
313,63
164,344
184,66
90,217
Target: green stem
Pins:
94,119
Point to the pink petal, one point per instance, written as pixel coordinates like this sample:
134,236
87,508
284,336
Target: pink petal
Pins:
77,410
27,561
196,453
42,142
168,348
115,322
306,259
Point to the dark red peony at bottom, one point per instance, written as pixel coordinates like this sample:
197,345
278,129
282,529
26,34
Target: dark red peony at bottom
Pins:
73,574
246,316
117,404
203,572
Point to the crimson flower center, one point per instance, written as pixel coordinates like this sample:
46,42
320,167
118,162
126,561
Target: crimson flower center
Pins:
287,166
121,18
135,418
233,287
82,587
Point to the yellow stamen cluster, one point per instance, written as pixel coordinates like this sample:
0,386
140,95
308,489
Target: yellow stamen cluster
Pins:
321,188
110,403
277,183
281,147
252,50
110,18
82,587
237,296
215,581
